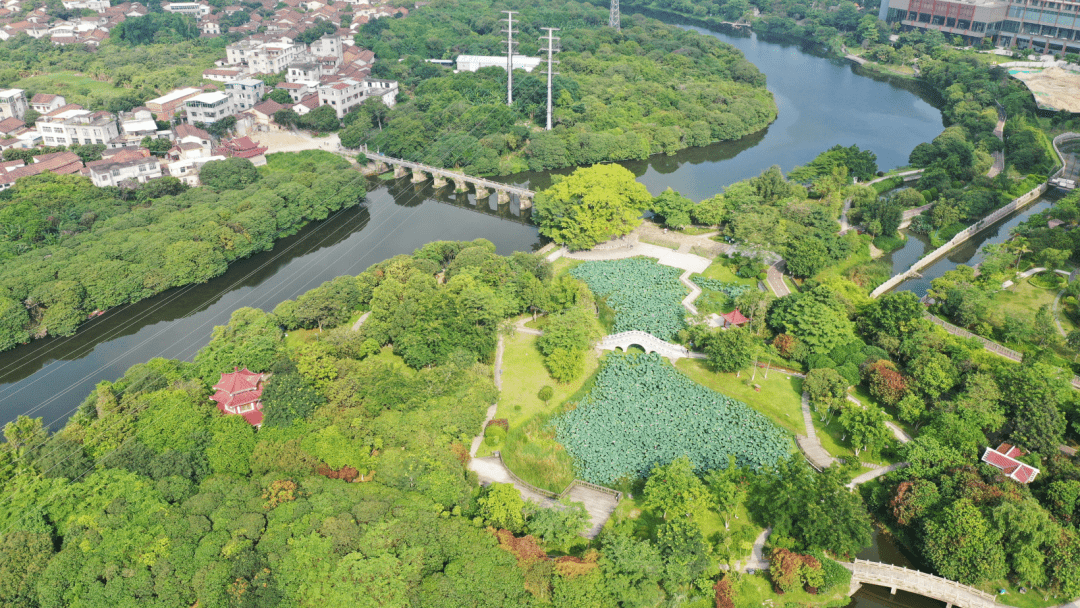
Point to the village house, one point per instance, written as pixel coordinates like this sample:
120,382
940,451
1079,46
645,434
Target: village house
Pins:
43,103
165,107
71,124
13,103
208,108
245,93
135,166
60,163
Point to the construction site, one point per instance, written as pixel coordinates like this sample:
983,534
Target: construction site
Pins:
1054,88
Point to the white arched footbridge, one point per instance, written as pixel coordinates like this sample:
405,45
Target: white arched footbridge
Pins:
941,589
647,341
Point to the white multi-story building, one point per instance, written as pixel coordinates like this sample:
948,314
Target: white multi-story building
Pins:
65,127
346,93
263,57
245,93
198,10
139,170
43,103
209,107
94,5
13,103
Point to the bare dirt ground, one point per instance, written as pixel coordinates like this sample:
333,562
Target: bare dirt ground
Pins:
289,141
1054,88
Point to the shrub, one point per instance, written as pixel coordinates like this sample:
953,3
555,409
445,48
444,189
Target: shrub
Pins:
494,434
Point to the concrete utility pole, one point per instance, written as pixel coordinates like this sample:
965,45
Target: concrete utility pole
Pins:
613,20
510,56
551,40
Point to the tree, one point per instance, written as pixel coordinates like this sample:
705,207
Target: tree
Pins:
558,526
886,384
730,350
673,208
1033,396
932,373
807,256
288,397
591,205
827,390
228,174
23,558
503,507
864,426
279,95
962,545
891,313
545,394
322,118
674,489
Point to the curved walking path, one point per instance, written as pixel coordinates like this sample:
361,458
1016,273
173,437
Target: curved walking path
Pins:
757,560
875,473
360,321
775,278
999,156
521,328
810,445
695,291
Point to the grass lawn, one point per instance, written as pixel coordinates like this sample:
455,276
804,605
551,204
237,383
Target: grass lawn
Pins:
780,397
757,590
562,266
862,393
720,271
530,449
1013,597
831,435
1023,300
75,87
297,337
697,230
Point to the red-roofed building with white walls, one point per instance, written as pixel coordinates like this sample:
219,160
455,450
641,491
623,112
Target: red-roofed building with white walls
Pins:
1005,458
240,392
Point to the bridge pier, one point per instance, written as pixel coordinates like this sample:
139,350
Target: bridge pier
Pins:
524,202
418,176
892,590
400,171
503,197
482,192
460,185
438,181
381,167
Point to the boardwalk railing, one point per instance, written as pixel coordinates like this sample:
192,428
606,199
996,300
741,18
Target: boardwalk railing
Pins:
897,577
989,345
646,340
560,495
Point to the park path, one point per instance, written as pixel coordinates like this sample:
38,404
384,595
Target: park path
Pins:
520,327
874,474
695,291
494,407
999,156
810,445
757,553
896,429
775,278
360,321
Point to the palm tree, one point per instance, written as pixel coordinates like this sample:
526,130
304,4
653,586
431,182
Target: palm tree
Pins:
1020,246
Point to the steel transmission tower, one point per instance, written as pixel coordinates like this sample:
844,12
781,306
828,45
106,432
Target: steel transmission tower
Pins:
510,56
551,40
613,20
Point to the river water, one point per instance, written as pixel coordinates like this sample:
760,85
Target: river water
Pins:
822,102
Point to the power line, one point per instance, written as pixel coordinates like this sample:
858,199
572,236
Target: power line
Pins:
551,40
613,19
509,31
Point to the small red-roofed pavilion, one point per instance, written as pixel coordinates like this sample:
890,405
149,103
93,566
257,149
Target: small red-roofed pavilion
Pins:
240,392
733,319
1005,458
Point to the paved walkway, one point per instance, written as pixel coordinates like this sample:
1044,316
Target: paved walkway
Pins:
775,278
665,256
522,329
810,445
875,473
695,291
844,225
999,157
645,340
360,321
896,429
901,174
757,560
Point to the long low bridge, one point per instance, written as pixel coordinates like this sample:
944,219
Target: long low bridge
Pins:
440,178
897,577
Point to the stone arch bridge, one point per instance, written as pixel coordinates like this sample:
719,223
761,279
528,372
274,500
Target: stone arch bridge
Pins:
897,577
647,341
461,181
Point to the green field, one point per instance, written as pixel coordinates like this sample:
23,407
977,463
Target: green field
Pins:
74,87
722,272
780,397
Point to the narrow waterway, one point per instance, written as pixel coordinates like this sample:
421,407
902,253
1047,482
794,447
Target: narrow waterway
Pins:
970,252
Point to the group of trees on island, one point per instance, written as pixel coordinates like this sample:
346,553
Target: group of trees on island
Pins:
69,248
648,89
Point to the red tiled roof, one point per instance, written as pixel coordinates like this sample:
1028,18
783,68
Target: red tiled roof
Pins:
11,124
43,98
237,381
65,108
268,107
1003,458
735,317
60,163
183,131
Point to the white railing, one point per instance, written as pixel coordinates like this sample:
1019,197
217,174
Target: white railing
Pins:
922,583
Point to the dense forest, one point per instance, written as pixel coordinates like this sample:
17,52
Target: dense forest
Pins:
69,248
649,89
